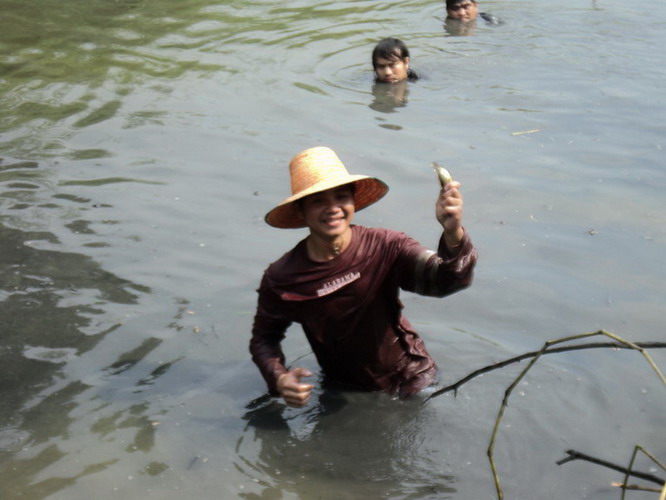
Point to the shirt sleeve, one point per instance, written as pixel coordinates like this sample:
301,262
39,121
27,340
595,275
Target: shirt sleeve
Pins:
440,273
268,331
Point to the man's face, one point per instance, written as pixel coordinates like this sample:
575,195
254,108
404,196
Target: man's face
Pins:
329,214
464,11
391,70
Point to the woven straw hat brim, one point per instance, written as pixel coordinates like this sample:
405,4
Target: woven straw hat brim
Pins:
368,190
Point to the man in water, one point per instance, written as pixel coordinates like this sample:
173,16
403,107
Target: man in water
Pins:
390,61
463,14
342,283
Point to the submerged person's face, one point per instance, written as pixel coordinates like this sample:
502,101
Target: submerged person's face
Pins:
464,11
391,70
329,214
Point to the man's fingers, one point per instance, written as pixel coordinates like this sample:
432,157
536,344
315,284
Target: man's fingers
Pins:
301,372
298,394
292,391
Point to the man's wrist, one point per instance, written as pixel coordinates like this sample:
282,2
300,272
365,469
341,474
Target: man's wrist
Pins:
455,239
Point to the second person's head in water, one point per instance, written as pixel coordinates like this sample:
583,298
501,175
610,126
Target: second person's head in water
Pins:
462,10
390,61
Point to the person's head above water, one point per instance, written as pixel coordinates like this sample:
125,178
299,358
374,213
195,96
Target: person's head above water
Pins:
462,10
390,61
316,171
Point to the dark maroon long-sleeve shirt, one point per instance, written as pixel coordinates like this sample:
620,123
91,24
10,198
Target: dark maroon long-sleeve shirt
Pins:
350,311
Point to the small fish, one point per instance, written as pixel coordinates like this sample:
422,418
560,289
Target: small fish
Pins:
442,174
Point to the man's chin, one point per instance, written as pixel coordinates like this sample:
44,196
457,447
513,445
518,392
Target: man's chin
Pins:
332,228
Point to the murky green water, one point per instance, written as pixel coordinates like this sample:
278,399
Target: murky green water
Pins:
141,143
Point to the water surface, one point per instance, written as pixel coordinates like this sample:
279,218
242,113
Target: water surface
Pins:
141,144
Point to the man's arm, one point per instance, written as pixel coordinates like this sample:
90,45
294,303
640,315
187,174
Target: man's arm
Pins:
450,269
449,212
267,334
265,346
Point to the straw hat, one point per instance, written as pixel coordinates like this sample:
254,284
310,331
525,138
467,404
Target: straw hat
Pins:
319,169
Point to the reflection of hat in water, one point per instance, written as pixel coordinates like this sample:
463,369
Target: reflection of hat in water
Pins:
319,169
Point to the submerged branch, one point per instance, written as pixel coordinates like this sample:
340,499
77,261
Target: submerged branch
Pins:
638,448
635,487
527,355
546,349
576,455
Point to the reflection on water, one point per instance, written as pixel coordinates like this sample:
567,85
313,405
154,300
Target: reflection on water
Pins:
371,443
456,27
23,482
73,64
389,96
49,319
47,291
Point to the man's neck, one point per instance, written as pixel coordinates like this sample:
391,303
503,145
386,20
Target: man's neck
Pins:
322,249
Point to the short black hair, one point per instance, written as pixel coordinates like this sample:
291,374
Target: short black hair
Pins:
389,48
453,3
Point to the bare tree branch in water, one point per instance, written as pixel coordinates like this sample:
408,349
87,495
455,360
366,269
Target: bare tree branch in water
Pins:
577,455
635,487
579,347
638,448
546,349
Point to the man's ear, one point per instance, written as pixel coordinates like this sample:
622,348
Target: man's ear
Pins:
406,61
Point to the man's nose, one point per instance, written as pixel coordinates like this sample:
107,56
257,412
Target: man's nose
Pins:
331,205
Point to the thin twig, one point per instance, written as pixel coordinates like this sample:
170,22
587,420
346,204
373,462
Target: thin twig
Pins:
639,349
631,466
577,455
638,448
544,349
594,345
635,487
500,413
652,457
